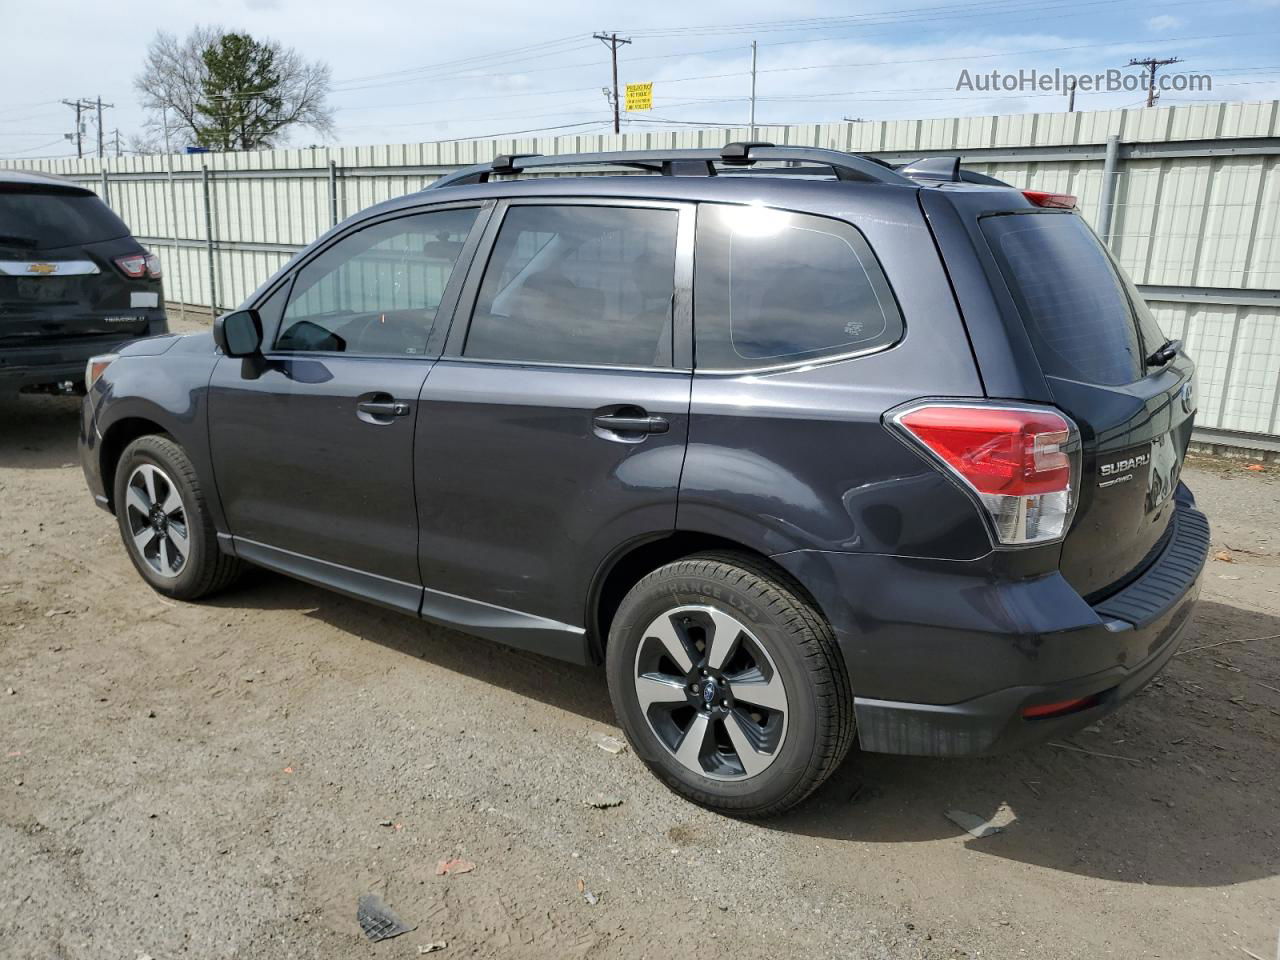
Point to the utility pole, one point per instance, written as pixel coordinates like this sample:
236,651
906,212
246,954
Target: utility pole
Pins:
1071,95
1152,65
613,42
753,89
117,136
79,135
100,105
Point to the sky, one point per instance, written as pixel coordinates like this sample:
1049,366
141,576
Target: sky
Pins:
407,70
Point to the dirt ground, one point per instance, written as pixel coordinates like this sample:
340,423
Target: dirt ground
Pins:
225,779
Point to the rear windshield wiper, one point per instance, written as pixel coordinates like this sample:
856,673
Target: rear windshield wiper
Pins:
1165,353
16,240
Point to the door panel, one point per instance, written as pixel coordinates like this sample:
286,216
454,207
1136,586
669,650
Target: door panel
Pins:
301,468
312,444
521,496
554,428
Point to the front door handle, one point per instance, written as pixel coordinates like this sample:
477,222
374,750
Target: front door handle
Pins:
621,424
383,409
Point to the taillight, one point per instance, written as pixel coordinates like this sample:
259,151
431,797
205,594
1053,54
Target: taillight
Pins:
1022,463
1062,201
139,265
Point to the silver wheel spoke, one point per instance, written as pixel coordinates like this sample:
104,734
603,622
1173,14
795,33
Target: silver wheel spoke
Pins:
142,539
149,478
180,542
651,690
752,760
665,632
165,565
690,750
762,693
724,637
136,499
172,502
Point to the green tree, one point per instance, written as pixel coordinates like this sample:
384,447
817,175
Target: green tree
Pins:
240,107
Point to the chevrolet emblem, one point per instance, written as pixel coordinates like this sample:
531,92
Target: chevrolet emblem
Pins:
43,269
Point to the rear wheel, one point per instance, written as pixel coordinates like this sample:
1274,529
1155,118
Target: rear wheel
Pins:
729,685
165,523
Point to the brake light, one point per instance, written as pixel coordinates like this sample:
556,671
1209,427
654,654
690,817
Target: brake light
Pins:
139,265
1062,201
1022,463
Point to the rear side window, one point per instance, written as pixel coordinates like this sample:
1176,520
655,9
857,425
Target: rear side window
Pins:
45,219
773,287
578,285
1073,301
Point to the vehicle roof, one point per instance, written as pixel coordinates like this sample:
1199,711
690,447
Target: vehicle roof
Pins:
838,198
35,178
817,196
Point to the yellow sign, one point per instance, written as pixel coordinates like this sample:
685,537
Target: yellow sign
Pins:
639,96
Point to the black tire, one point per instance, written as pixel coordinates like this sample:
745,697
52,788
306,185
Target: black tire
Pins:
802,649
205,569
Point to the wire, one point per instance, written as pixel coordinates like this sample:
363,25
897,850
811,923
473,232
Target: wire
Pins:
43,146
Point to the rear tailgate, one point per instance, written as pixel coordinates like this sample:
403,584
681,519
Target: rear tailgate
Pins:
1090,335
58,272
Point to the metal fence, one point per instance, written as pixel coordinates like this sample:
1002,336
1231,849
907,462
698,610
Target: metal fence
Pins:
1187,196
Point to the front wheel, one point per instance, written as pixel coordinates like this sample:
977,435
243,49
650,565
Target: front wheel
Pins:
165,523
729,685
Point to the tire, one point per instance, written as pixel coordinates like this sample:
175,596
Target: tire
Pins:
787,741
176,519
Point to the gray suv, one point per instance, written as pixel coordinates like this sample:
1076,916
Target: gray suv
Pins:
803,449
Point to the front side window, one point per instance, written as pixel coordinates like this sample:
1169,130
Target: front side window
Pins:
578,285
772,287
376,292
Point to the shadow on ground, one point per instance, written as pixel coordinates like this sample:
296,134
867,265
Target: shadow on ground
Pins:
38,432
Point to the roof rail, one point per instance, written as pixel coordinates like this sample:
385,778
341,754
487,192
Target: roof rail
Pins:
701,162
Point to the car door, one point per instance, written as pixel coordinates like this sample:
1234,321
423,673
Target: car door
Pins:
312,442
553,428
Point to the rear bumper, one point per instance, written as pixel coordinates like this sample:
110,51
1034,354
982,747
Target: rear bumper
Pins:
1043,644
57,361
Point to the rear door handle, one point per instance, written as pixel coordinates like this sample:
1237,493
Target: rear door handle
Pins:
383,408
620,424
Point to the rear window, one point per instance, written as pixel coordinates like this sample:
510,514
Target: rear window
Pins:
44,220
773,287
1073,302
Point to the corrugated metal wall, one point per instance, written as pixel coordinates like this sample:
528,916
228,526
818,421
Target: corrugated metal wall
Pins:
1193,206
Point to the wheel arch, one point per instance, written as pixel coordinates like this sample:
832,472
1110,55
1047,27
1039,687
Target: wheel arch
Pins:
631,562
115,438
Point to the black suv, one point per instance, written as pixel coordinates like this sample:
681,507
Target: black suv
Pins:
800,447
73,282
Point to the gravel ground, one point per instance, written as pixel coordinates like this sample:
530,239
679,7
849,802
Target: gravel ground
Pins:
226,779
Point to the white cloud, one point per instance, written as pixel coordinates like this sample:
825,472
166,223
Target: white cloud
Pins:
1165,23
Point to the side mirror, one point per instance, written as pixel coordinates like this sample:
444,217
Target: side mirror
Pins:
238,334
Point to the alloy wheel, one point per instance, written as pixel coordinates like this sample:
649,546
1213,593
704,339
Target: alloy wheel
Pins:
711,693
157,520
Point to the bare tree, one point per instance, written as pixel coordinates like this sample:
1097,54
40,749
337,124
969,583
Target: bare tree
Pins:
192,84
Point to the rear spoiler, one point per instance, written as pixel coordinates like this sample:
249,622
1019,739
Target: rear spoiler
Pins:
945,170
